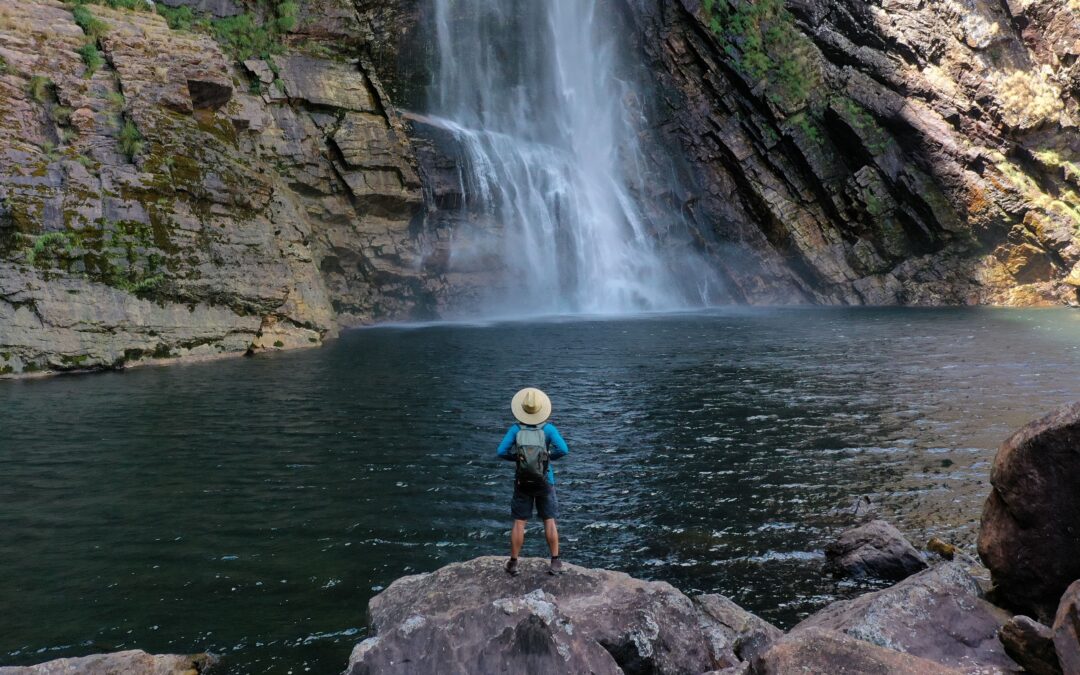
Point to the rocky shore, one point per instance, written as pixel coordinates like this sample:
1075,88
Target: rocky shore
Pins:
946,613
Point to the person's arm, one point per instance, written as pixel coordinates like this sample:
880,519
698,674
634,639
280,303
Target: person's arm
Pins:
508,443
555,438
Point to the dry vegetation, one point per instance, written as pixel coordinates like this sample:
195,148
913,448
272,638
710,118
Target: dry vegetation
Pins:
1028,98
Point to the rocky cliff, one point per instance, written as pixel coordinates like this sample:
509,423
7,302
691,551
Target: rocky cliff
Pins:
881,152
163,195
224,176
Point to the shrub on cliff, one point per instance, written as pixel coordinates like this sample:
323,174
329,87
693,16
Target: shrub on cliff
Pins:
761,38
244,36
131,141
91,57
133,5
39,87
91,25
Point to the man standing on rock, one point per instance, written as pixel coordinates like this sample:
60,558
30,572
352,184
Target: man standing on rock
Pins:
529,444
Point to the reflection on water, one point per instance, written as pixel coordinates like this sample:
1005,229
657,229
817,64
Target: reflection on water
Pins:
252,507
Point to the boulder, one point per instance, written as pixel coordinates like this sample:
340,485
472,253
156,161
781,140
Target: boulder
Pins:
816,650
1067,630
1031,645
472,617
938,614
876,549
1030,532
133,662
734,629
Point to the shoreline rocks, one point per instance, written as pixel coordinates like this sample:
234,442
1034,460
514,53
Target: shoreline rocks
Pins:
938,614
1067,630
1031,645
131,662
473,617
1029,537
876,549
817,650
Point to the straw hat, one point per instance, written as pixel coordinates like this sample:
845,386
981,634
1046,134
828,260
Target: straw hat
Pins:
531,406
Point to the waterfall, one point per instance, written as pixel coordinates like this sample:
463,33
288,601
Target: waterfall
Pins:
549,136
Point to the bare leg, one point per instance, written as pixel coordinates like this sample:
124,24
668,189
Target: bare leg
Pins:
552,534
517,538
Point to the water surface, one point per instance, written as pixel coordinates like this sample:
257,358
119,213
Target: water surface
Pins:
252,507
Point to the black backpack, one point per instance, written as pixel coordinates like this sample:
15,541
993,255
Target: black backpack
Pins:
532,460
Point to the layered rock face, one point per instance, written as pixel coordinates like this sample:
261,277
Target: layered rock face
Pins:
880,152
159,200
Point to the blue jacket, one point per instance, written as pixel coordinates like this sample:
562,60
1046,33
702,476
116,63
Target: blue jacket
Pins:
553,439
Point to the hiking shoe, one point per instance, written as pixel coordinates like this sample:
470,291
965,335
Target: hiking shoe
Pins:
556,567
512,568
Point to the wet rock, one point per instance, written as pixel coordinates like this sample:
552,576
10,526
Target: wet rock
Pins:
938,614
134,662
1031,645
817,650
1067,630
472,617
1030,532
876,550
734,629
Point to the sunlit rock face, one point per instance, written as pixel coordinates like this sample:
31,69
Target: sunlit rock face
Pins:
173,202
892,151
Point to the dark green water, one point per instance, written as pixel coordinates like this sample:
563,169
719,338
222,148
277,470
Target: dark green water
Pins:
252,507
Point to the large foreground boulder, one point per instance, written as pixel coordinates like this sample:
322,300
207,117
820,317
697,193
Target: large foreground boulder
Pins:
471,617
1067,630
132,662
938,614
816,651
877,550
1030,532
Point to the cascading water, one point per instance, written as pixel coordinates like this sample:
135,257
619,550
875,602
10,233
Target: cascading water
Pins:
549,139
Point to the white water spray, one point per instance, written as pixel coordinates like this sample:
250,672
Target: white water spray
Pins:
550,140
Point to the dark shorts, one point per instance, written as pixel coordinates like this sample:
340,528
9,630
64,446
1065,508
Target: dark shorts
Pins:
521,504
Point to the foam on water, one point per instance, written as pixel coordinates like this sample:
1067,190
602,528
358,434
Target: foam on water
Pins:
549,124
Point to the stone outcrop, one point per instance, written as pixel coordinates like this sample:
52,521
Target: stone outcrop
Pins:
173,204
1031,645
1067,629
879,152
876,550
1029,537
472,617
817,650
133,662
939,614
